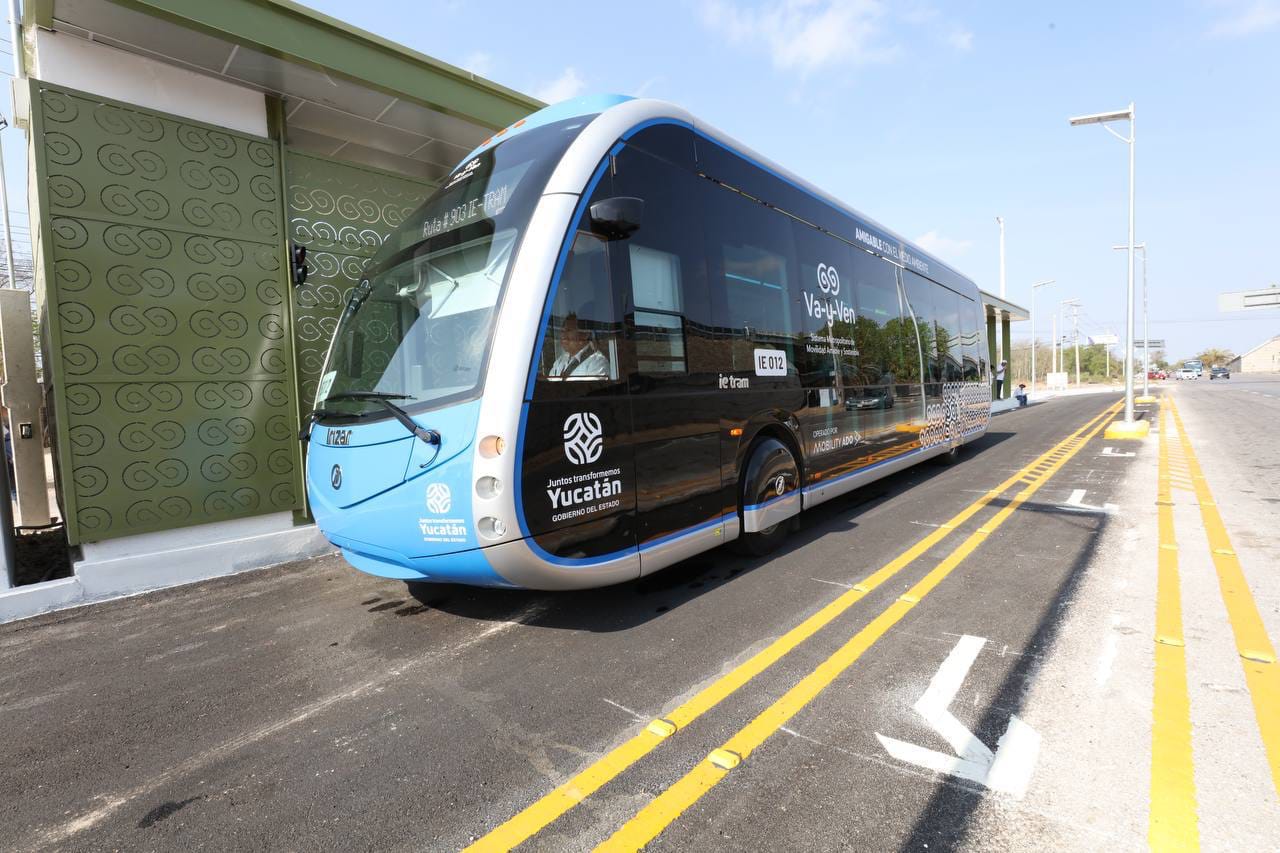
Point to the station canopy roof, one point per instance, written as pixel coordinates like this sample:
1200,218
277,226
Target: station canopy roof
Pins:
347,93
991,303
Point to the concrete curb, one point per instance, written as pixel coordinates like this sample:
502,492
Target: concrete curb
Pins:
159,561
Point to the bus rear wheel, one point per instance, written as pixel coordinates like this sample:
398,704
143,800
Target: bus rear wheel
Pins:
771,472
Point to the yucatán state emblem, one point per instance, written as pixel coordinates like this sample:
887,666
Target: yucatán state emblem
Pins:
583,438
439,498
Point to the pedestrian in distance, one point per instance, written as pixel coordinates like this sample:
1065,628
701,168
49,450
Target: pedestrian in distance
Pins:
1000,378
1021,394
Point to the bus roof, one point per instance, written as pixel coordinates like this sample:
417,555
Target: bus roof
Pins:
619,115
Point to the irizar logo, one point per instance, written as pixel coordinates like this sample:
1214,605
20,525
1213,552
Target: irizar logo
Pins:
439,498
780,484
827,306
464,172
335,477
828,280
583,438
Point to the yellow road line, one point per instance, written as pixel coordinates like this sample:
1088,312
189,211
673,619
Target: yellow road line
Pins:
1172,820
651,820
539,814
1257,655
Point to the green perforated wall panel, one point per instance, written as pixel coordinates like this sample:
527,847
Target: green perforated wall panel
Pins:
342,213
173,374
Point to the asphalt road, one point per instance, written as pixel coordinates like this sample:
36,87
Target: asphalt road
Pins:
311,707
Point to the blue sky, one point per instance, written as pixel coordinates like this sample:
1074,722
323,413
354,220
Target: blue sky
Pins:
934,118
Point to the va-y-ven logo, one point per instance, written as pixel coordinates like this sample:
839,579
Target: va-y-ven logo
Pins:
828,280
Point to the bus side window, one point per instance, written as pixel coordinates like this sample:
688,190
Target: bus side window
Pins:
581,340
659,317
969,321
667,302
752,264
947,322
826,354
878,329
919,292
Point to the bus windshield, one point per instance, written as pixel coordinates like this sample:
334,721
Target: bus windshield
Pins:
417,328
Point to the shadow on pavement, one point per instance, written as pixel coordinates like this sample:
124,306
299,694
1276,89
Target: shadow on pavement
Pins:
945,822
624,606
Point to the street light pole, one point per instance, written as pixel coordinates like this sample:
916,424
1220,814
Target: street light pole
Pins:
1000,222
1146,328
1062,357
1034,288
1129,427
1001,355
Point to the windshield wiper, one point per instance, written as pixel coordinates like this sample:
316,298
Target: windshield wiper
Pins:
309,421
429,436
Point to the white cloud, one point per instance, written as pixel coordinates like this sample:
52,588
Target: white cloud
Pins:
564,87
946,248
961,39
479,64
1246,18
806,35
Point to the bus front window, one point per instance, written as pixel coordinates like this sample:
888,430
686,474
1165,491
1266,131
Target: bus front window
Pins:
418,329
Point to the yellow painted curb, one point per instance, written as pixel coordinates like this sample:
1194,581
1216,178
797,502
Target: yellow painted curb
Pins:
1144,399
1121,430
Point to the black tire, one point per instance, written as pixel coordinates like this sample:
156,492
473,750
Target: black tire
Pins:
951,457
768,463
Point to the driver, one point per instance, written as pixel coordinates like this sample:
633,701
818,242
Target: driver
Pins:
578,357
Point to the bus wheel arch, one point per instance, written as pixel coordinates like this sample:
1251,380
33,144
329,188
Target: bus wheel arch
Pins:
769,487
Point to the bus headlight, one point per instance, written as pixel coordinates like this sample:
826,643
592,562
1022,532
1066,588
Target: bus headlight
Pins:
491,446
488,487
491,528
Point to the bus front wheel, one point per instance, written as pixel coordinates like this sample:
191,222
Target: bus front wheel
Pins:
771,473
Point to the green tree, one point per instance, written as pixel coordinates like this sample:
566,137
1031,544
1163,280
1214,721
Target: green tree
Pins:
1216,356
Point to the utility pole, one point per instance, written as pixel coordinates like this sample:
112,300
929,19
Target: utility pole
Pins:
1034,342
1054,344
4,209
1075,334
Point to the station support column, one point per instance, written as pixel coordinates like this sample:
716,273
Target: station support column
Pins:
1007,392
991,346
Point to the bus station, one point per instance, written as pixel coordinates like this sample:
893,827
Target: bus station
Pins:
400,459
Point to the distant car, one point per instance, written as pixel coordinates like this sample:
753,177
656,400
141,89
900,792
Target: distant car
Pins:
1187,373
870,398
1219,373
1157,374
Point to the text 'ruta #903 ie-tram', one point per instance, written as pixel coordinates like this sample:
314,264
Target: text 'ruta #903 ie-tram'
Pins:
614,338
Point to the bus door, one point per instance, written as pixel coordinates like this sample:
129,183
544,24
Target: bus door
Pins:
578,470
887,400
921,296
667,352
823,312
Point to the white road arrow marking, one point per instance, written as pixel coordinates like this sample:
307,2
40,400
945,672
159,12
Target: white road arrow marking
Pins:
1008,770
1111,451
1076,503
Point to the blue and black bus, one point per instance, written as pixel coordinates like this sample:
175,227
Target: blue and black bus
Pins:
614,338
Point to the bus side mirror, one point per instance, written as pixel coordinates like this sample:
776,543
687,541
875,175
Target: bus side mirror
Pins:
298,264
617,218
